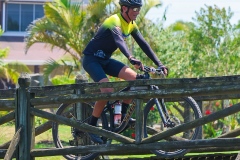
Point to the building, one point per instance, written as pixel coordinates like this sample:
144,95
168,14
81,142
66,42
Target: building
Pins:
15,16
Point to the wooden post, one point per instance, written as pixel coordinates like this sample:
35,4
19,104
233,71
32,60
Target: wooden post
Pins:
80,110
139,121
23,119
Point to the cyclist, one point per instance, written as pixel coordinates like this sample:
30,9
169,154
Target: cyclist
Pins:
97,60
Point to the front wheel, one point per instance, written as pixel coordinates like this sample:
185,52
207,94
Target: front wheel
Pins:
182,111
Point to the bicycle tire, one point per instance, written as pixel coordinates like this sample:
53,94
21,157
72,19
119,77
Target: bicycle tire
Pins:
176,108
66,110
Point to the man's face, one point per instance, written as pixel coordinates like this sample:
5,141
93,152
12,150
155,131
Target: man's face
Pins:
132,12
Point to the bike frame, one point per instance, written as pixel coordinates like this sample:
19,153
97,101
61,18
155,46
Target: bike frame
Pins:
162,110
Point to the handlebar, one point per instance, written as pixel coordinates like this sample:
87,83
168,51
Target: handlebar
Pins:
152,70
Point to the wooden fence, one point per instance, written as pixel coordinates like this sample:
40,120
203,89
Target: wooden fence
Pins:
26,102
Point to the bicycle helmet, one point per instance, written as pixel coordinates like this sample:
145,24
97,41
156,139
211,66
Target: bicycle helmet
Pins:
131,3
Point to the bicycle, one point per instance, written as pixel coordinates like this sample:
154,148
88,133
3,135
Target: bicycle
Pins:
158,117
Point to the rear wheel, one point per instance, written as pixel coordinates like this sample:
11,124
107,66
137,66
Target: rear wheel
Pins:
182,111
66,136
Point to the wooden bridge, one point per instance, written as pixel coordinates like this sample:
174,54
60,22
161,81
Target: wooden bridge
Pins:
27,102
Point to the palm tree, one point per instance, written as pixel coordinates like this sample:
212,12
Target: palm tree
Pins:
68,26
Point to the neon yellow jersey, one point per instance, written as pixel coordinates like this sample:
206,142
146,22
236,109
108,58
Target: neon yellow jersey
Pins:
112,34
118,21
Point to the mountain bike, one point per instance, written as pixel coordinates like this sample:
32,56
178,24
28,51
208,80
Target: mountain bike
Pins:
158,115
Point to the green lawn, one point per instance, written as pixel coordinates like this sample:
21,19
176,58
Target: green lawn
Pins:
45,141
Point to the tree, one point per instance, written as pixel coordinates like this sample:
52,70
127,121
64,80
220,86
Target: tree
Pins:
9,72
208,47
68,26
215,42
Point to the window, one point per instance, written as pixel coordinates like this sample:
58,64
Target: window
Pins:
19,16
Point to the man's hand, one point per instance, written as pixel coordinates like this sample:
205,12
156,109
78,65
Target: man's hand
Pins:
137,63
164,69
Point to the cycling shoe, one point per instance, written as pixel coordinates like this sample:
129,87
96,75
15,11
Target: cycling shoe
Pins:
95,138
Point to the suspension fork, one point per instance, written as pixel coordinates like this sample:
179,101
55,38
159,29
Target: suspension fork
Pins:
162,109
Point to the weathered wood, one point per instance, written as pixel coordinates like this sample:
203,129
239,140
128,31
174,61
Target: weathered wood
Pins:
43,93
223,80
82,126
5,145
7,104
39,130
145,94
3,153
139,121
200,88
198,122
215,149
7,118
216,97
23,119
233,133
7,93
31,125
13,145
138,149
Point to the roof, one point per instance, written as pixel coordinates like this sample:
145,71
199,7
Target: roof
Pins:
37,54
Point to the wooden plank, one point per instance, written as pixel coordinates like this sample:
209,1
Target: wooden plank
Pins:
5,145
233,133
7,104
39,130
7,93
144,94
3,153
82,126
13,145
137,149
159,82
7,118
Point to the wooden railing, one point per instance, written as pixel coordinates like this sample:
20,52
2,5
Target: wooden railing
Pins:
26,102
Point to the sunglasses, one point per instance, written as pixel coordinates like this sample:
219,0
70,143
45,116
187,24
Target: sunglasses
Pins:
136,9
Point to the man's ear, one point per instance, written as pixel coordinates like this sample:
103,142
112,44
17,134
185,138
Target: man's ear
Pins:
124,9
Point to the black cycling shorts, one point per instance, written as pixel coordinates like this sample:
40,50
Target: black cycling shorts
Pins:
98,67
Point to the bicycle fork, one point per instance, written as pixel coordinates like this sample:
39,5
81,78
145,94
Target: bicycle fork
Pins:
162,109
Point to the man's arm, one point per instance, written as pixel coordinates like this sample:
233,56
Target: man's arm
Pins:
117,35
146,48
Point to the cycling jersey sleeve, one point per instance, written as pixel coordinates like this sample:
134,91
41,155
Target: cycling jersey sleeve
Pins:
146,47
117,35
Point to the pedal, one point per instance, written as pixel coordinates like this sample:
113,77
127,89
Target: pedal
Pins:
170,124
131,123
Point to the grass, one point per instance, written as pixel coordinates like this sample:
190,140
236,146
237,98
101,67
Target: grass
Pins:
45,141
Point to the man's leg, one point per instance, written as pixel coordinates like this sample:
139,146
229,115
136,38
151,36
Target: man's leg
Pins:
126,73
97,110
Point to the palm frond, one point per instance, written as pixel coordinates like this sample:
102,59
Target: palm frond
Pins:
18,67
61,27
49,66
